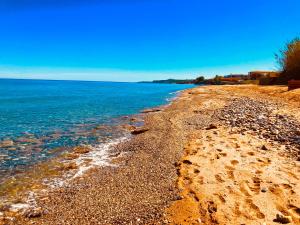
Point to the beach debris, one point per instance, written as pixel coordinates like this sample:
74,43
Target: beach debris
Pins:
283,219
139,131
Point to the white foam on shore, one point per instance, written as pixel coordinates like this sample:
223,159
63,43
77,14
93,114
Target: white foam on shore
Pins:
99,156
21,207
175,95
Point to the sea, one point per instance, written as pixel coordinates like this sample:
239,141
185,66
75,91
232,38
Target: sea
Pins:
42,119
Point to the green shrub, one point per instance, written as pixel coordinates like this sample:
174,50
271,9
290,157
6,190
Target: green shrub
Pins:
289,61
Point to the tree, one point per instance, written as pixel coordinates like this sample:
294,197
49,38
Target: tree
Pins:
217,79
199,80
289,60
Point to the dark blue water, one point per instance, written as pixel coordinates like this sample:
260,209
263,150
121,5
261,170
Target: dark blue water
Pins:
51,113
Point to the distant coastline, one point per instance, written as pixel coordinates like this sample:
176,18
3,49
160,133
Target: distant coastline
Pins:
171,81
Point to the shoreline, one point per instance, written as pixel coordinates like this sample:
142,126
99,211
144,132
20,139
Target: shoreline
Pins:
154,178
70,166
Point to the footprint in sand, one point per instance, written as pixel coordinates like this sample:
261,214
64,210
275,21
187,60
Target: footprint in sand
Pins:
256,185
230,172
187,181
290,211
219,178
221,198
245,189
234,162
264,161
237,210
258,172
288,188
193,195
277,190
255,208
196,171
223,154
200,180
251,153
294,211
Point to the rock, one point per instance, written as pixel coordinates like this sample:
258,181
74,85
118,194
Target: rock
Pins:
186,161
70,166
260,117
283,219
139,131
151,110
264,147
33,212
6,143
133,119
71,156
82,149
264,190
128,127
211,126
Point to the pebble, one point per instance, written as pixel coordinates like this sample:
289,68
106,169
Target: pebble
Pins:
258,116
264,190
139,131
211,126
33,212
283,219
82,149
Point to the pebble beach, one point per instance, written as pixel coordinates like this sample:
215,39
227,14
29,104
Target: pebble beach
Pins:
214,155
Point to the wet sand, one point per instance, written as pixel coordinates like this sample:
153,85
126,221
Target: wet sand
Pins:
193,164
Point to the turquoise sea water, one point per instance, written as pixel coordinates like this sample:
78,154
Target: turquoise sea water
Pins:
39,116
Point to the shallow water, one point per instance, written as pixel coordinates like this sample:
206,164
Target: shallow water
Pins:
40,119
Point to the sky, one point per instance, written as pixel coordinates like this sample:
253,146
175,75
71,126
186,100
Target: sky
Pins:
137,40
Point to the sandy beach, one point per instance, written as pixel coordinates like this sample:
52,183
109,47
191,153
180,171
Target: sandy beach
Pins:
215,155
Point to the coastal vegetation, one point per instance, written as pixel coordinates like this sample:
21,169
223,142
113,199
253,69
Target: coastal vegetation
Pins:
289,61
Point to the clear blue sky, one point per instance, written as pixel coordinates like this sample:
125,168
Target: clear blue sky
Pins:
130,40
